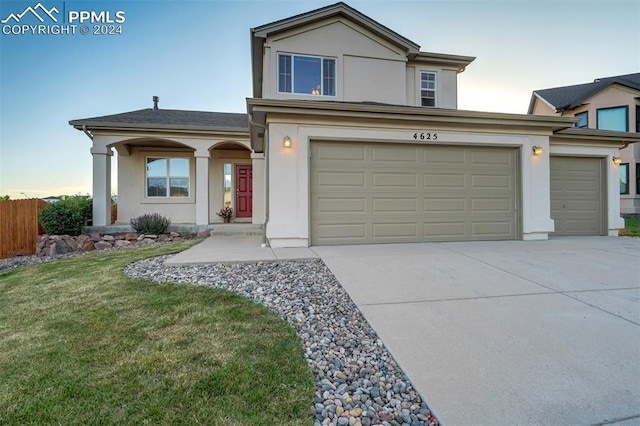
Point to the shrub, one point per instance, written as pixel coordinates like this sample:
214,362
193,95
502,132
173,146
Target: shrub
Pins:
153,223
66,216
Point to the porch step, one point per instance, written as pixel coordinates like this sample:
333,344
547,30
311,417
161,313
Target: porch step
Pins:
236,229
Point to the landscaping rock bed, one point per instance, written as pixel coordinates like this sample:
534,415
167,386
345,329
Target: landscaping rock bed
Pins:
55,245
357,381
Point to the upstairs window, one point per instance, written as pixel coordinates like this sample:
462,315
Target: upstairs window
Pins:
306,75
167,177
428,89
584,120
616,118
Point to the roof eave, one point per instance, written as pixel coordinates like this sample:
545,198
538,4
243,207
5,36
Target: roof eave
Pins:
340,8
608,137
154,128
458,61
409,113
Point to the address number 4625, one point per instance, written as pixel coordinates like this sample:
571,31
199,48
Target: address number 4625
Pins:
425,136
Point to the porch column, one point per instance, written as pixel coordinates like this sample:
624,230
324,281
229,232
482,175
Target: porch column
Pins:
202,188
101,185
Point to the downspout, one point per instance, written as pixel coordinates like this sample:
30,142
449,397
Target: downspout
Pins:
265,243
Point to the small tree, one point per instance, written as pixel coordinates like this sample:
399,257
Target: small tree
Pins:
4,197
67,216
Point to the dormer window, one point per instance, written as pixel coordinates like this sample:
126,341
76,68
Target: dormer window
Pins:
428,89
306,75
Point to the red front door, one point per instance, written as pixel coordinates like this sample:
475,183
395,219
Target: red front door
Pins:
244,190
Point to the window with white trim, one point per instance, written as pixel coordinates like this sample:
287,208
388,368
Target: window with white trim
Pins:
167,177
428,88
306,75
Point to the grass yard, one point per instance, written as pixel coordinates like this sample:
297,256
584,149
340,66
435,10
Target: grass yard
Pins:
81,343
632,226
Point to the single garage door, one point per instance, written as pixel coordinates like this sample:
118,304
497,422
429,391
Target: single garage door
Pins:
383,193
577,196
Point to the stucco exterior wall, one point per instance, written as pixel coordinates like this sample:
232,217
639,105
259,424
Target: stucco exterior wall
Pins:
132,200
288,224
359,54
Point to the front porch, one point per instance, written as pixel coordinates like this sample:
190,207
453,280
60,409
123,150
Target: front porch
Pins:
184,165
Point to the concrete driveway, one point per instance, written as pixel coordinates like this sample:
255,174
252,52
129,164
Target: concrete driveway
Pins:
505,333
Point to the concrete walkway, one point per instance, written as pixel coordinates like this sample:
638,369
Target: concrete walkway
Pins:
496,333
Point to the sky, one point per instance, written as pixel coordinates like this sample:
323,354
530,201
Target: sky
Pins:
195,55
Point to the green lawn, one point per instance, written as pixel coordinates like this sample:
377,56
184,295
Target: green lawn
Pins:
632,226
81,343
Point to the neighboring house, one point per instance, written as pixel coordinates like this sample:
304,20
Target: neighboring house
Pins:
352,136
611,103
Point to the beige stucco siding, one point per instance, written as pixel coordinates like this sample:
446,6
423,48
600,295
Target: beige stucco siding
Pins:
368,78
363,61
132,198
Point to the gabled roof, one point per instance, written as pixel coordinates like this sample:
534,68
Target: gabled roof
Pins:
570,97
259,34
166,119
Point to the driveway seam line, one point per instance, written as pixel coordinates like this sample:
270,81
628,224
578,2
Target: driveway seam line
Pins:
544,286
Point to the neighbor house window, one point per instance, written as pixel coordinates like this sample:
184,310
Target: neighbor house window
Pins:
624,178
306,75
428,89
167,177
637,178
616,118
584,120
638,118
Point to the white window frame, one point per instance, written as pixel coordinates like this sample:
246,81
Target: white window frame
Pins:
167,177
434,89
322,76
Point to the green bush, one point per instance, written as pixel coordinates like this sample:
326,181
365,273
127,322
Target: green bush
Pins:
66,216
153,223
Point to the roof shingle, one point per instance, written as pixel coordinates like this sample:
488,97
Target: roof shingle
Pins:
170,117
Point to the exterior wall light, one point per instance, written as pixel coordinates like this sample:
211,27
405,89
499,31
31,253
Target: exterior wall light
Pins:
537,150
617,160
286,142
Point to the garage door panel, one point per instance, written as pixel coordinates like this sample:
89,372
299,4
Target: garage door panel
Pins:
412,193
392,154
445,231
340,205
444,205
492,229
494,157
443,156
385,205
443,180
341,231
336,179
577,195
339,152
397,229
394,179
497,205
490,181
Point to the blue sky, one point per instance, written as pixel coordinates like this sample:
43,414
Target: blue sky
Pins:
195,55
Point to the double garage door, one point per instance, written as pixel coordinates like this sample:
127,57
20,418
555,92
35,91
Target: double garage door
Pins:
382,193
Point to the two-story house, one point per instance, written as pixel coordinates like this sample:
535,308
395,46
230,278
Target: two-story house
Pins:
611,103
353,136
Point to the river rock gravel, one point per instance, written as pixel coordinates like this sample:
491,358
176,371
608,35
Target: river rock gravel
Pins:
357,381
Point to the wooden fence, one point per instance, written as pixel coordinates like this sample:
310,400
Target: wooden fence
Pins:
19,227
